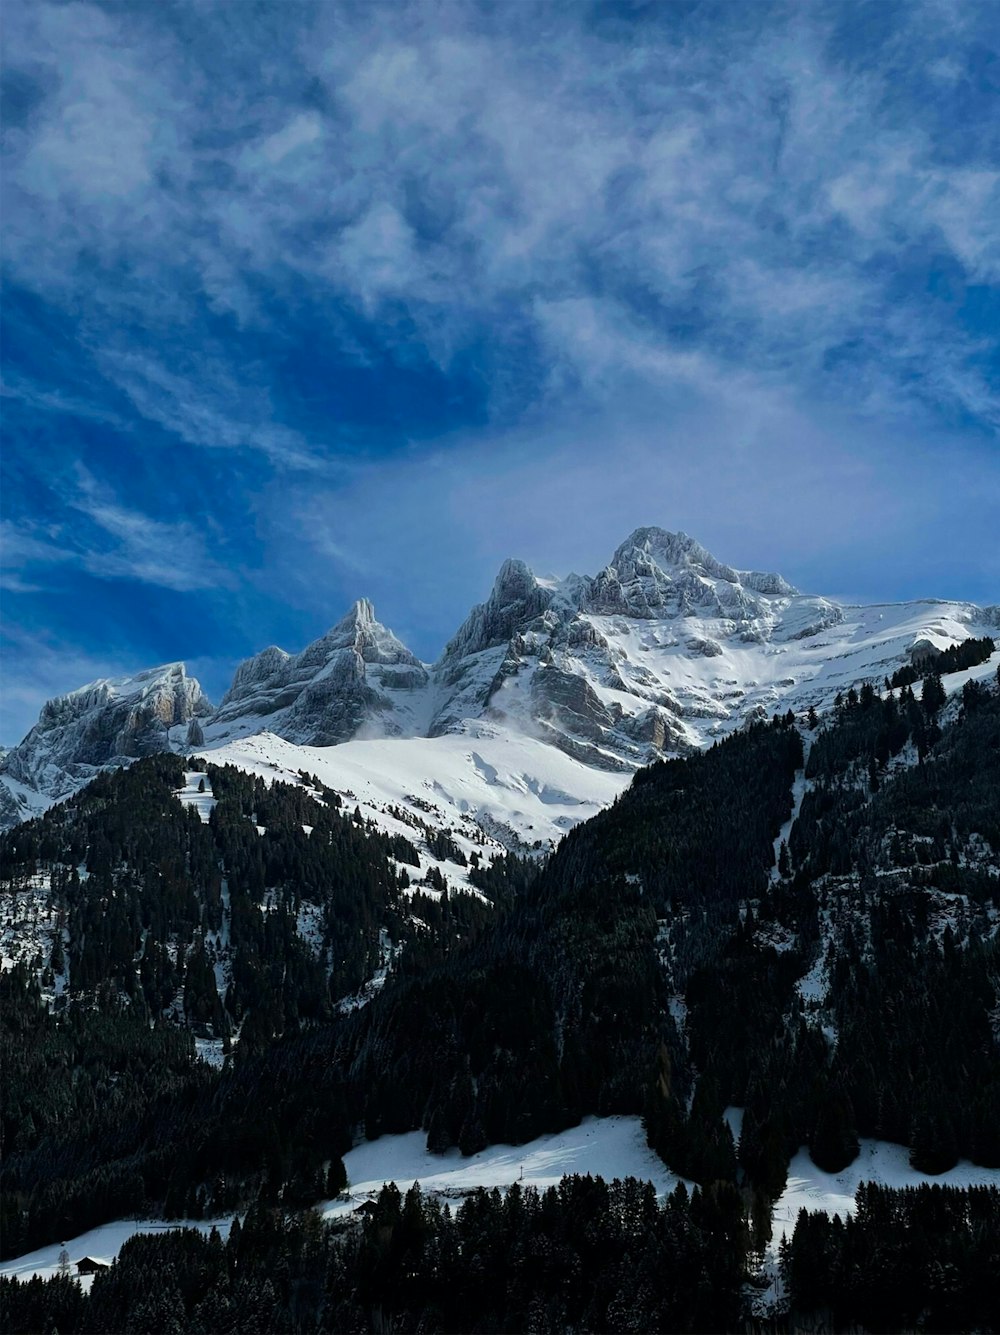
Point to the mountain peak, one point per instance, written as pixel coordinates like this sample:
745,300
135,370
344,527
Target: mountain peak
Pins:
679,552
361,616
107,721
516,597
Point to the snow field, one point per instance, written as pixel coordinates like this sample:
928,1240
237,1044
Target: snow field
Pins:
880,1161
203,802
487,773
607,1147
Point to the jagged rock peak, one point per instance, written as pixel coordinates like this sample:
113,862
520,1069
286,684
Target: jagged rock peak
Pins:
655,573
275,670
360,631
517,597
356,676
360,616
174,696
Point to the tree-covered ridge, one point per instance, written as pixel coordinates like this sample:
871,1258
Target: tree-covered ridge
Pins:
893,898
174,924
922,1258
562,1008
586,1255
283,897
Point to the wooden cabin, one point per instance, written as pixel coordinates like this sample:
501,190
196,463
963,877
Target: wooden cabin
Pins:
87,1265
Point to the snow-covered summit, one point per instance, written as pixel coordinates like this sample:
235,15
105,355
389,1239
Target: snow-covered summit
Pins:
516,599
655,572
357,674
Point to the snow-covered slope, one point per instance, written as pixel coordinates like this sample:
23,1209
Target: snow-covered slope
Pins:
662,652
668,649
608,1147
485,782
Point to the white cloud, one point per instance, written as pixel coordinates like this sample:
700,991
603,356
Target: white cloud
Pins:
122,544
466,172
207,407
300,131
703,249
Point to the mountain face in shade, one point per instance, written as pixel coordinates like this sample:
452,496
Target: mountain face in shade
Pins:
662,652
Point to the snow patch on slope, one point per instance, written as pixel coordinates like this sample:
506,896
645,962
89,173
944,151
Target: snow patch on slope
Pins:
607,1147
809,1188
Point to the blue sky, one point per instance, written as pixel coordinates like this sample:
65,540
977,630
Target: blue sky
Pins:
304,302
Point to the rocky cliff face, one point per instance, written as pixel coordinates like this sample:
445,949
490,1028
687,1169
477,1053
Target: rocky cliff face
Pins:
656,574
107,722
358,675
665,649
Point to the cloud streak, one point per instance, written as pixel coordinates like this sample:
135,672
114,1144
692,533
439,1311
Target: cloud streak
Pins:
746,189
125,544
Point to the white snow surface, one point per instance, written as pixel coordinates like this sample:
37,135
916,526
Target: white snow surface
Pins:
203,802
488,778
607,1147
664,651
879,1161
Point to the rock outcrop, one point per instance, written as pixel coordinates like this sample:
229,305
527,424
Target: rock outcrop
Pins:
355,676
107,722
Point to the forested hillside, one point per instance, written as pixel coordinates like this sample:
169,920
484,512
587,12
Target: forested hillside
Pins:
801,922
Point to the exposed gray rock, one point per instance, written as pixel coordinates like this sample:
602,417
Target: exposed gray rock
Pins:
359,673
567,702
656,573
516,600
611,670
107,722
705,648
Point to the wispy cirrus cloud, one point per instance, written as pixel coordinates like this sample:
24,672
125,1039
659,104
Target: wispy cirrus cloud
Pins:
124,544
743,185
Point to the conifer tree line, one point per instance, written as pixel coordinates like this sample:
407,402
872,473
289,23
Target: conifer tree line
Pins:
587,1255
967,653
141,883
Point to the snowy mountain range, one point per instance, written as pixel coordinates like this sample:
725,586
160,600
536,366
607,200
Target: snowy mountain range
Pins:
542,705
